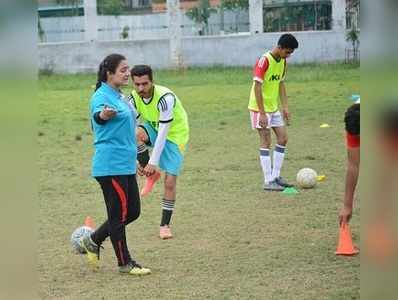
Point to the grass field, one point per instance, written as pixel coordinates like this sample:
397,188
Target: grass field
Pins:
232,239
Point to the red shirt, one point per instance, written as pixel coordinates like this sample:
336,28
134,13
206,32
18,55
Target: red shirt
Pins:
353,141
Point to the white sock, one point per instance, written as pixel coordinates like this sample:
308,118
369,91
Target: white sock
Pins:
278,155
265,161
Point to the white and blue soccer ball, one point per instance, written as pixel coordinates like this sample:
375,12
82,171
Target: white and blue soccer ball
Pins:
76,236
306,178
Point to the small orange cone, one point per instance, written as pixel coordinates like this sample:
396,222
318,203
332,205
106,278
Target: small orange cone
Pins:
149,184
345,245
89,222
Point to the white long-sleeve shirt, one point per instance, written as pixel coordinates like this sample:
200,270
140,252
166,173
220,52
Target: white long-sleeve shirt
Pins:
165,107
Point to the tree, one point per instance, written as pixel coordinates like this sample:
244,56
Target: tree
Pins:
110,7
201,14
234,5
353,37
125,32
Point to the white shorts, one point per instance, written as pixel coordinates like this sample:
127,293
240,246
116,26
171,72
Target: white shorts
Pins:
275,119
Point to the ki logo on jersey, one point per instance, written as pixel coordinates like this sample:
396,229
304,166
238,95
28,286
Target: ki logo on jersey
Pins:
275,77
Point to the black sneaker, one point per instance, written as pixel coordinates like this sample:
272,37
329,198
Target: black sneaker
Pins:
273,186
282,182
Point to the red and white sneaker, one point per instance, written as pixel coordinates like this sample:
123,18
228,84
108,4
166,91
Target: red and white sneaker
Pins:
165,232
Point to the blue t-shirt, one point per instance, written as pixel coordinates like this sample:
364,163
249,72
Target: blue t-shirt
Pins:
115,149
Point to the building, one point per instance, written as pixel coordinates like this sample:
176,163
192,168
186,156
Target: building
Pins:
54,8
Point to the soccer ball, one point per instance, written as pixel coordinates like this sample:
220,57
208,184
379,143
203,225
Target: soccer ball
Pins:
306,178
77,235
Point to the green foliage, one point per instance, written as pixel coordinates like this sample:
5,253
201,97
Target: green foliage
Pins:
201,13
353,36
235,4
316,16
125,32
109,7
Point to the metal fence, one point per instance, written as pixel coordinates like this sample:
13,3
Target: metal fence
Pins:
63,20
142,25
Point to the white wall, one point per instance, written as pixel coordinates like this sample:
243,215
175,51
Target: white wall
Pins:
243,49
67,29
62,29
228,50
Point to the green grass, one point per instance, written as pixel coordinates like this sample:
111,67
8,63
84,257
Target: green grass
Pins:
232,240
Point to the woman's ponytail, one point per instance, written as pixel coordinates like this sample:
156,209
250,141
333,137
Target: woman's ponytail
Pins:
101,76
109,64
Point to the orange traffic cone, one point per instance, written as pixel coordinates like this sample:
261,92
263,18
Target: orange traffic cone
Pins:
89,222
149,183
345,245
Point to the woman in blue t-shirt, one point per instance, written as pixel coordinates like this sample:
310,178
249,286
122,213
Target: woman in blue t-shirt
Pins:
113,120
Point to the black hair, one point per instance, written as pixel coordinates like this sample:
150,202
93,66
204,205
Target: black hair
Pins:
109,64
141,70
288,41
352,119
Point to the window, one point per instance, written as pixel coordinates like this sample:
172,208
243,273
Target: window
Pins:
297,15
352,14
